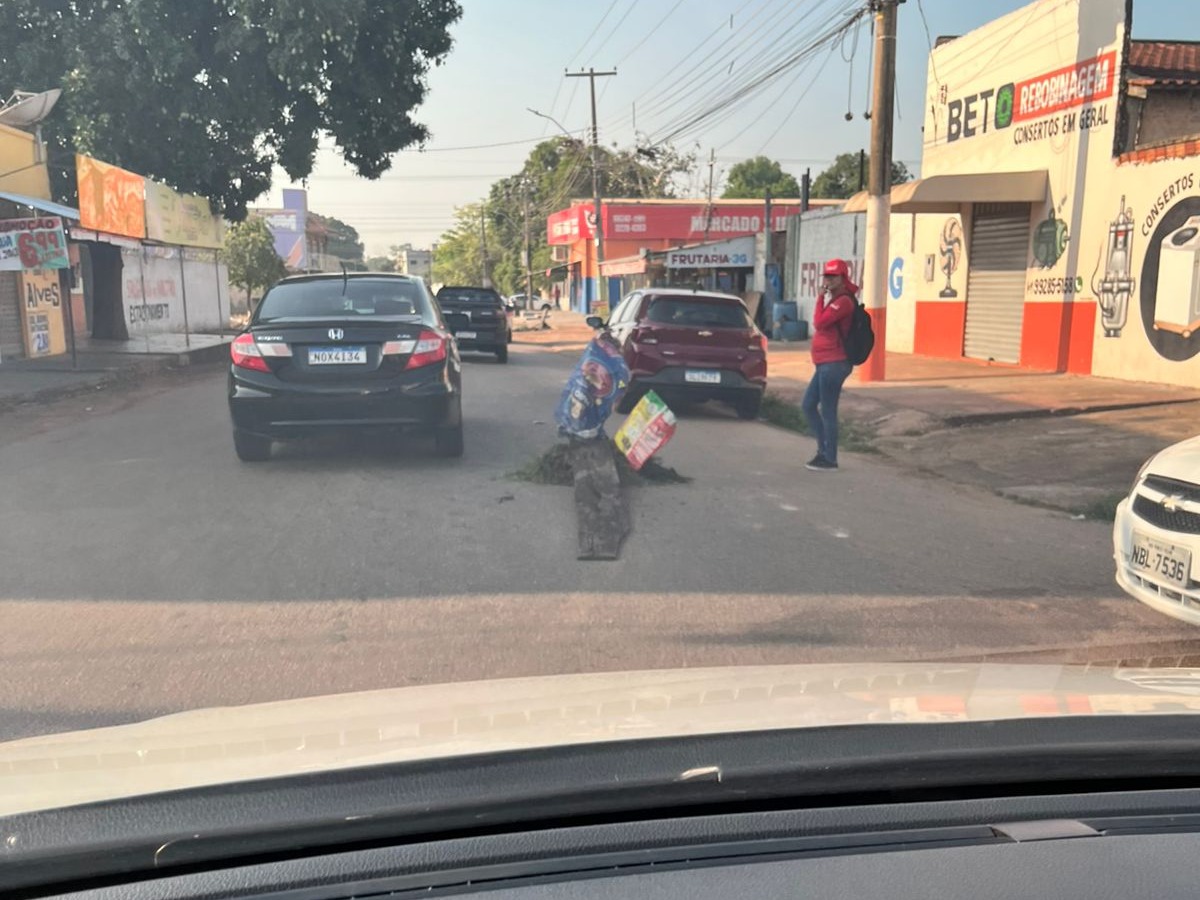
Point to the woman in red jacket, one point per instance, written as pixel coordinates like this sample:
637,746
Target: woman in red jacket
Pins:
831,322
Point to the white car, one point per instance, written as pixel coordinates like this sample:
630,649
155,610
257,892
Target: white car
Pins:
1156,534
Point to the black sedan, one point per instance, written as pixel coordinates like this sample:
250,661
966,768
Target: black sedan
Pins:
344,352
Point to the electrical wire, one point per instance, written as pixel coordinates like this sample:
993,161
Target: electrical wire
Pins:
693,53
739,92
592,34
533,140
765,65
649,34
795,106
682,88
615,28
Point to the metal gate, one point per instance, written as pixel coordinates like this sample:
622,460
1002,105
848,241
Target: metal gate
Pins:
12,345
998,256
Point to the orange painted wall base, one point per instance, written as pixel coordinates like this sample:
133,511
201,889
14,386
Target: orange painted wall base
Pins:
939,329
1058,337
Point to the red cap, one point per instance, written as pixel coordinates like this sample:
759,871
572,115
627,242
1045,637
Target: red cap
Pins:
837,267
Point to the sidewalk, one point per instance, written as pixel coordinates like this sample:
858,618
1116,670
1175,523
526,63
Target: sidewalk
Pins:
1070,442
98,363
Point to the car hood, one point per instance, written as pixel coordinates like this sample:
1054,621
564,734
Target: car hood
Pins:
291,737
1179,461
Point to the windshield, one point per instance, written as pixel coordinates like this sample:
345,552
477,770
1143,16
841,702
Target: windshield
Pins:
341,358
467,295
326,298
700,313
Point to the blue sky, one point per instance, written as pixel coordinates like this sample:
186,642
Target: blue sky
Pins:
510,55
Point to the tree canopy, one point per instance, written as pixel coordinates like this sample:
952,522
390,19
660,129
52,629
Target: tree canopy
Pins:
556,172
754,177
841,179
209,95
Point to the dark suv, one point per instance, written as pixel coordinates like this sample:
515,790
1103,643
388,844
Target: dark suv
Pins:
690,346
478,318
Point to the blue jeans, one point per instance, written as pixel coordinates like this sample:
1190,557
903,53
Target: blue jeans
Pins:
821,405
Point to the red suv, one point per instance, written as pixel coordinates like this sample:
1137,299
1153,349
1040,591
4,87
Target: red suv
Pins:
690,346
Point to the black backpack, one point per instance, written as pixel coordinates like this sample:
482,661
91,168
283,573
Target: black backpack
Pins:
859,339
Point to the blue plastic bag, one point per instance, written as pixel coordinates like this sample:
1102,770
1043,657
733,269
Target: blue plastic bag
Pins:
596,384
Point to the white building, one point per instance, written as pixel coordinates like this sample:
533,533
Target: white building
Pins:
1056,225
414,262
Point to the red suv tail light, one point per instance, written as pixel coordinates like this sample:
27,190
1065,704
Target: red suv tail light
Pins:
643,335
430,349
245,354
758,342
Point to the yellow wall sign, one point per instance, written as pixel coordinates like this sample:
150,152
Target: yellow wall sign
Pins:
41,303
182,219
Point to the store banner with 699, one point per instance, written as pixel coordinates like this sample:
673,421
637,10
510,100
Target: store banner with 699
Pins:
33,244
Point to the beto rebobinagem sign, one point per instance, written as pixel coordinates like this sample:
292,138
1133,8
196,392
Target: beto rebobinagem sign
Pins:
1085,81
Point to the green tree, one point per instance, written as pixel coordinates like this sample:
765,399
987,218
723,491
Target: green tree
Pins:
754,177
381,264
209,95
343,240
458,257
556,172
249,252
841,180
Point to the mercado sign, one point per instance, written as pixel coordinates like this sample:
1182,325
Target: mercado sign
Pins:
33,244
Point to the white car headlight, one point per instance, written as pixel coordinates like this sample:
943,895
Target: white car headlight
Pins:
1141,472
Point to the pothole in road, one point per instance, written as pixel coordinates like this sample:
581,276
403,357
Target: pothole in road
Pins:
554,467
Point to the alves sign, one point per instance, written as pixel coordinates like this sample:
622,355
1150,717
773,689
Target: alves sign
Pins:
998,108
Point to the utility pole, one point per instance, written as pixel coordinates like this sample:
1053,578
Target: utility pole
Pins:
598,225
879,185
483,256
528,258
712,157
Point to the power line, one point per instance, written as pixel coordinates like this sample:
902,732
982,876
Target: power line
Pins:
669,94
690,54
632,50
748,88
586,40
615,28
532,140
792,111
752,77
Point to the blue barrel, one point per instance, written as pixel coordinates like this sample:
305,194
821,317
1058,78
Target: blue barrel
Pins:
781,312
794,331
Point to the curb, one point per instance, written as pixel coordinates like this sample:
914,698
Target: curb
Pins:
993,418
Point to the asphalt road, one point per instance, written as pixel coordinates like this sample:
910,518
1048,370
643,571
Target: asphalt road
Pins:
144,570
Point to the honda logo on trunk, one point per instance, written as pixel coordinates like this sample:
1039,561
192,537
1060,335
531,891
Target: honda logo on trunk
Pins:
336,334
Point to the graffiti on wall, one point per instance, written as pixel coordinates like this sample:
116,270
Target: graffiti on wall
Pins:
1050,240
1167,286
950,250
1115,290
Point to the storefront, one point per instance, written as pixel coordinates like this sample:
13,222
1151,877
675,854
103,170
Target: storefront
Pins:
148,257
1057,225
634,227
34,276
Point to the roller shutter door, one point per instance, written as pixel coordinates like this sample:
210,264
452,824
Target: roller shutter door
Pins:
996,281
